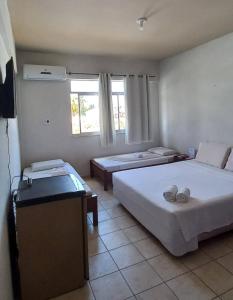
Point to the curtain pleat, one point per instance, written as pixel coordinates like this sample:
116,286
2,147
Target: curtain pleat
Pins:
107,130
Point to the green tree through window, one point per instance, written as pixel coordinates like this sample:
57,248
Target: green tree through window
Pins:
84,99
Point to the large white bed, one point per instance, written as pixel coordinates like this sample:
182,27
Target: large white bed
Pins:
179,226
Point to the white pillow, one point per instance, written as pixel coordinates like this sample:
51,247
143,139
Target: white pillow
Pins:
213,154
162,151
46,165
229,164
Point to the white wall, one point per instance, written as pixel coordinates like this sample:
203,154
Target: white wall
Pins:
196,95
6,50
40,100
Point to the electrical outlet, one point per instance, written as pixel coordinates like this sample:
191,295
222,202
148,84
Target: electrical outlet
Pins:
47,122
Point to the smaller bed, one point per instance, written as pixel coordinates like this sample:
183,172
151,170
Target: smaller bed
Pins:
57,171
103,167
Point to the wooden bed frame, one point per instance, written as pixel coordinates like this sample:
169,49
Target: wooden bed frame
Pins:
96,170
92,207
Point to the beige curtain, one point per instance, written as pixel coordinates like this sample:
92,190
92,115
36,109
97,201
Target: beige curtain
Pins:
138,106
107,130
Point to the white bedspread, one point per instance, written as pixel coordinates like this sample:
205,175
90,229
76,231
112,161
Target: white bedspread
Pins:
136,156
67,169
132,160
210,206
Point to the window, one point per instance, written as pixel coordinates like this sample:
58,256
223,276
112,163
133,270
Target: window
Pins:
118,99
85,106
84,98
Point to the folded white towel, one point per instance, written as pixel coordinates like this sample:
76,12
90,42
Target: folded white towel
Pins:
170,193
58,172
183,195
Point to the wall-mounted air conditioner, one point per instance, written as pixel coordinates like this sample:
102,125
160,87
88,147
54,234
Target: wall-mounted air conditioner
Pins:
38,72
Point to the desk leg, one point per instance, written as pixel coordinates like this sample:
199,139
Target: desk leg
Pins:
105,180
95,213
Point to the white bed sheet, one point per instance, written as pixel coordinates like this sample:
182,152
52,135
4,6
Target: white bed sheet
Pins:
178,225
67,169
132,160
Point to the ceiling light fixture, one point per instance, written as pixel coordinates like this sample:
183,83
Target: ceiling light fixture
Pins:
140,22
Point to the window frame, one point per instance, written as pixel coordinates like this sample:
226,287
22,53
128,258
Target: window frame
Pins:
82,134
80,123
93,133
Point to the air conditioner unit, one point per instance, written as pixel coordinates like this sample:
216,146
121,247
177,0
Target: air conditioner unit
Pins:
37,72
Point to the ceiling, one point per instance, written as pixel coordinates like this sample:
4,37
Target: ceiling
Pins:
108,27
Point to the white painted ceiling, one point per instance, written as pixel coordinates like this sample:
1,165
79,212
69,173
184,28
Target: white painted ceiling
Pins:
108,27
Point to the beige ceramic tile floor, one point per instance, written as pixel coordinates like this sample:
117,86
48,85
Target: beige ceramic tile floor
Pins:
127,262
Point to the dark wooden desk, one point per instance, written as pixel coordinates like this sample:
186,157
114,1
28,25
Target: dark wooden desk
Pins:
51,237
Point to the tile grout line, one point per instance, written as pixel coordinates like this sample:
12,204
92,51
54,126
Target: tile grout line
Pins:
126,283
119,270
205,284
121,274
163,281
130,242
114,229
213,260
145,260
203,280
91,289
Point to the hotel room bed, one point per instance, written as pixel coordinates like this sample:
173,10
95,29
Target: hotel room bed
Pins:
66,169
103,167
179,226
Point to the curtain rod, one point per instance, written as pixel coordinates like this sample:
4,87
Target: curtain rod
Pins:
97,74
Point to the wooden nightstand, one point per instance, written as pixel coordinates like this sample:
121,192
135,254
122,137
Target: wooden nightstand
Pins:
181,157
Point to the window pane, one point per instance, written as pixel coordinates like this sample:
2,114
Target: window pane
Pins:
115,111
89,113
75,113
91,85
122,111
118,86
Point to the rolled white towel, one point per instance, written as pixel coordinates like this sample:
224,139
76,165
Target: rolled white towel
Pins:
170,193
183,195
